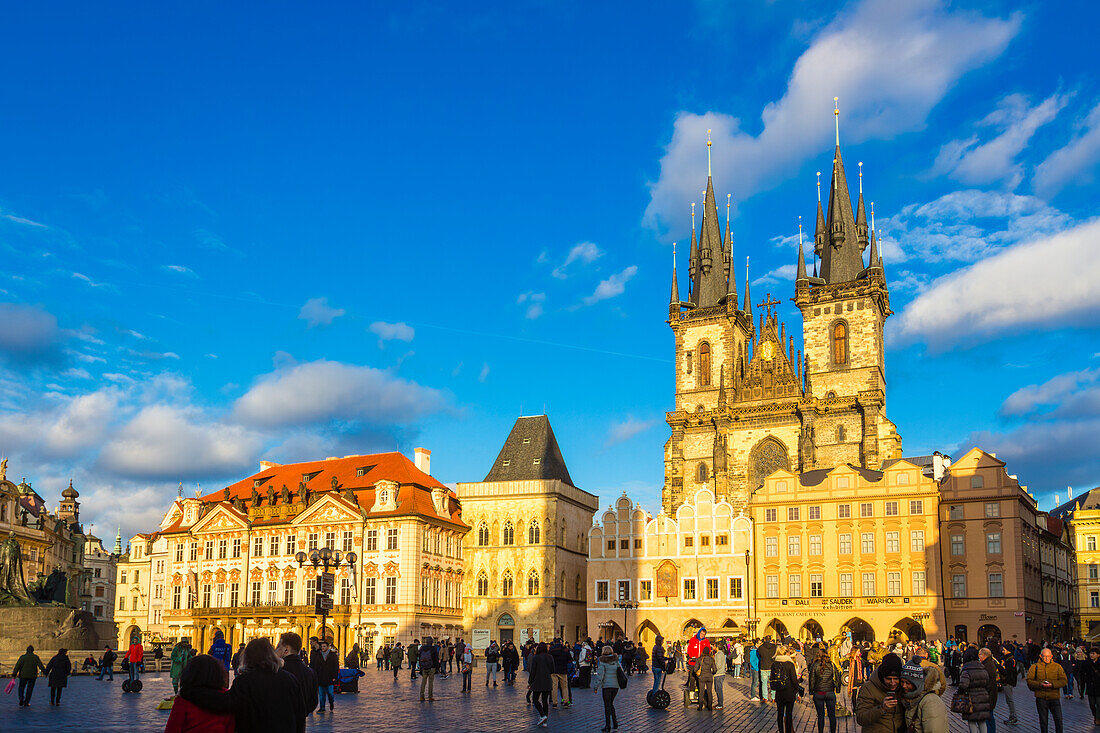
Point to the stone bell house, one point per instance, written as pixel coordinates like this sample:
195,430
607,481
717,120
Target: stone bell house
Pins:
226,561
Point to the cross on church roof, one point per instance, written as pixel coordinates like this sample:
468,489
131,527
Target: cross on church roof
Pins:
769,303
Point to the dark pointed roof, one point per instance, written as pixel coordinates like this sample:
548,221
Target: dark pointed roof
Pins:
800,271
748,298
1088,500
731,280
530,453
675,297
861,224
693,266
842,258
710,277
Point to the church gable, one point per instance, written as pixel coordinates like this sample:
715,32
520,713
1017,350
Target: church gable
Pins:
328,509
221,519
770,374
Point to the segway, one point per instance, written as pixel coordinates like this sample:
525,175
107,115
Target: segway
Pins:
660,699
128,686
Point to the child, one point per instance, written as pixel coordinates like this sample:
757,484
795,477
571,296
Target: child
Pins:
203,671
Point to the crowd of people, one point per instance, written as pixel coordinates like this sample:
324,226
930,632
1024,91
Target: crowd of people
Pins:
892,688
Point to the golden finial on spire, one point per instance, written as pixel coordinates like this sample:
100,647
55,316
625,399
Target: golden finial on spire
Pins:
819,187
800,230
872,216
836,114
693,216
708,153
674,255
861,178
729,197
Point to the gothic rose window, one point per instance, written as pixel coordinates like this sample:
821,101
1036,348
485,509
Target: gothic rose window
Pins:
766,458
840,343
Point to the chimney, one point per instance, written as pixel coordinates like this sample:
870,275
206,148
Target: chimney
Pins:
422,457
937,467
264,465
1069,493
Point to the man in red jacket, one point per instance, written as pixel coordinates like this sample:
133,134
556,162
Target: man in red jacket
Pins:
698,644
135,655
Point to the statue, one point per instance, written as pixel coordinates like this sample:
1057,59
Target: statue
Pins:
238,504
4,470
54,589
23,519
270,495
303,493
36,589
225,495
255,497
349,495
720,454
335,484
285,494
40,520
13,591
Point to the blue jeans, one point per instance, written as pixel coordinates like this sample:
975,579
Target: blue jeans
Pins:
106,669
991,723
765,675
754,683
133,671
324,691
736,670
658,675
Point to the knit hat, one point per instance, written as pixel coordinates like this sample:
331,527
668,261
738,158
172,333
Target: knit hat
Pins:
890,667
914,673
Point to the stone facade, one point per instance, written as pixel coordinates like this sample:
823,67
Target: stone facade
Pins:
526,549
97,594
679,572
1082,516
747,402
226,561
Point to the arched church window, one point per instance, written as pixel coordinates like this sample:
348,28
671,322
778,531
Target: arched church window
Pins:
704,364
506,583
701,473
840,343
508,535
840,434
482,584
483,535
533,583
533,532
768,456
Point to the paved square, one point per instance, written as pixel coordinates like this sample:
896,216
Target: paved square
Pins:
385,705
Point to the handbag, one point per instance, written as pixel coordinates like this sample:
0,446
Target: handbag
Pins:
961,703
10,687
620,675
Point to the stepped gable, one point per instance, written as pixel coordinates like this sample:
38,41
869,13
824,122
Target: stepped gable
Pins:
530,453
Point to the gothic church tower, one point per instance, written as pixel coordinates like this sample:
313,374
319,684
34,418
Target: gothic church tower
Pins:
747,403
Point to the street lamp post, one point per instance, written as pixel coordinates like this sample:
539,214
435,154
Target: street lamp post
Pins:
624,604
326,558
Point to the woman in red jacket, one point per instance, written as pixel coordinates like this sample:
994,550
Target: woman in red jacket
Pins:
203,671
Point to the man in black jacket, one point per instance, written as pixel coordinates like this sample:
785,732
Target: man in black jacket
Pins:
326,665
560,678
766,653
289,650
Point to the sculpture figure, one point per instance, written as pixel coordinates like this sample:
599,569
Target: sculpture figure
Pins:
285,494
255,497
4,470
13,591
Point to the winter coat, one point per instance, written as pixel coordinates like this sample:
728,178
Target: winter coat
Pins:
784,678
221,651
510,656
27,666
754,659
262,701
720,662
307,682
871,716
1089,673
413,652
934,678
540,668
738,653
706,668
697,645
658,656
1052,672
351,661
58,670
766,653
181,655
606,675
927,714
993,669
824,678
187,717
561,656
135,654
396,657
326,665
974,681
492,654
1008,672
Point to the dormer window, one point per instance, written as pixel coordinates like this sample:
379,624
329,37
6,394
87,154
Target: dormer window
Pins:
309,476
363,470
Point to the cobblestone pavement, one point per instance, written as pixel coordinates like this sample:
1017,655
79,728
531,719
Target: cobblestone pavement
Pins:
383,705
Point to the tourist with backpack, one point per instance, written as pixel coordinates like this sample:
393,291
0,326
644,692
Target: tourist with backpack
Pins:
783,682
492,660
824,683
428,661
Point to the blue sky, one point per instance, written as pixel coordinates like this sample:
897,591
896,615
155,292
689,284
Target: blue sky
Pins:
229,235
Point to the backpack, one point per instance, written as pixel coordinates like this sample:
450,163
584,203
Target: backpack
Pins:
425,657
778,681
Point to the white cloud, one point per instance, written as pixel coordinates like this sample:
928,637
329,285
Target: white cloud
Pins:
890,63
83,423
84,278
1069,392
1046,280
584,252
620,432
391,332
782,274
963,226
484,373
612,286
974,162
27,333
534,303
1073,163
166,442
323,391
317,312
180,269
21,220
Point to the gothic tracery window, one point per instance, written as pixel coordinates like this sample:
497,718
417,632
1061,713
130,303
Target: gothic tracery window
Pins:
701,473
483,535
840,343
704,364
482,584
506,583
533,532
508,535
533,583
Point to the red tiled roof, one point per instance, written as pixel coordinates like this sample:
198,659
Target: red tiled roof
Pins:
381,467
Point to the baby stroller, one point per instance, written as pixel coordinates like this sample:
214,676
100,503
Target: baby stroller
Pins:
348,679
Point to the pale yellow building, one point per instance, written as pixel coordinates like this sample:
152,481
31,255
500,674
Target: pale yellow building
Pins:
848,549
525,553
669,575
226,561
1082,516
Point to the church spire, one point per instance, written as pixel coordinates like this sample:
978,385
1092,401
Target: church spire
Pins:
861,219
841,259
800,267
712,278
693,261
819,228
748,298
674,299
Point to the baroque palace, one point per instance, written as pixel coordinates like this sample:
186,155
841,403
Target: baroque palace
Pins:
788,507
